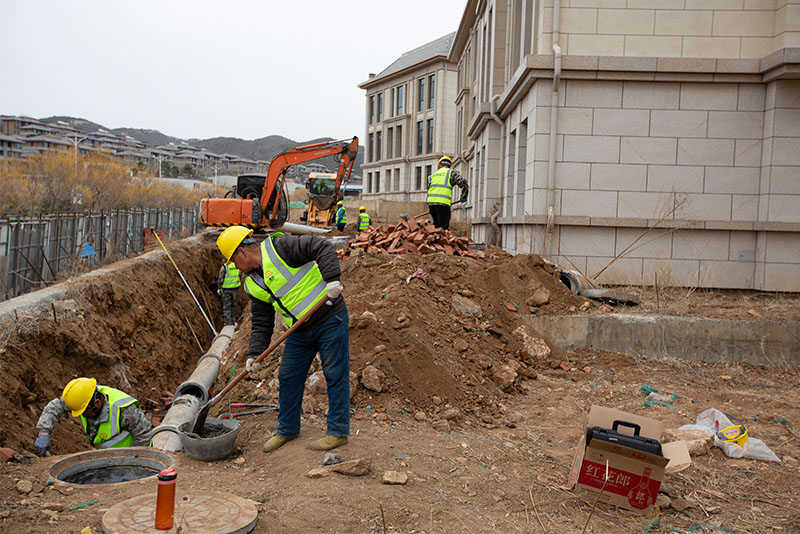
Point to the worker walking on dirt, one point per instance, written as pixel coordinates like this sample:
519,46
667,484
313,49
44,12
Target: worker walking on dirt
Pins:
110,417
288,275
363,219
228,281
440,192
341,216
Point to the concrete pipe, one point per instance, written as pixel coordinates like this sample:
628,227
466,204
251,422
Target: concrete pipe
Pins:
193,394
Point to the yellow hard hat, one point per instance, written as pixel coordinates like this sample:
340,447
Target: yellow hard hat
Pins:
362,208
445,159
230,239
78,393
339,203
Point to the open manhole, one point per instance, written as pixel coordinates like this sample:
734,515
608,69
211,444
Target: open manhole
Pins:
110,466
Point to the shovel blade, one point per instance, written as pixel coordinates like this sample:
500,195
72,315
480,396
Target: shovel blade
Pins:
200,419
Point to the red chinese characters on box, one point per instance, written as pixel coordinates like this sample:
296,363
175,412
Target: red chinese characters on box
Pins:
639,490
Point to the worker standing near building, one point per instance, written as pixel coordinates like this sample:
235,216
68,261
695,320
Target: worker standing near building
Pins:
110,417
440,192
288,275
341,216
228,282
363,219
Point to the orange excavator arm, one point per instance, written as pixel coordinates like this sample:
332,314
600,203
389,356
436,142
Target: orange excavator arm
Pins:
347,150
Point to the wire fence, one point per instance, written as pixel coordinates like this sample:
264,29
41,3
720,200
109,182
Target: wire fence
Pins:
34,251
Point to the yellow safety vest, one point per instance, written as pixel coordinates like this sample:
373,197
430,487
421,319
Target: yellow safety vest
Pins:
440,191
231,280
341,216
363,221
291,291
108,433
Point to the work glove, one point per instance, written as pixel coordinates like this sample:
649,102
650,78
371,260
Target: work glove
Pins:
333,289
42,443
252,367
219,292
463,199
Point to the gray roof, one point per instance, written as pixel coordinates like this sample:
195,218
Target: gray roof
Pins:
419,54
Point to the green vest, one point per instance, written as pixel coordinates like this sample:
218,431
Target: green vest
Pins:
291,291
108,433
341,216
440,191
363,220
231,277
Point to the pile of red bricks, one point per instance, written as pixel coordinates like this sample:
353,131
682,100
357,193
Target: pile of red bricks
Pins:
410,236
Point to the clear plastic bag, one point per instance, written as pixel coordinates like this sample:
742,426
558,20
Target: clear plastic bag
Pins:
754,448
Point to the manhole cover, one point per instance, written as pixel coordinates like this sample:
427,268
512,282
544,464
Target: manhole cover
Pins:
195,511
110,466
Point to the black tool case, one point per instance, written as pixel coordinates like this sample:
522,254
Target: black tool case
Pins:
640,443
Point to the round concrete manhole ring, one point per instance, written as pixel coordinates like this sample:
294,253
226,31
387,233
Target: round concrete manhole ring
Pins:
195,511
110,466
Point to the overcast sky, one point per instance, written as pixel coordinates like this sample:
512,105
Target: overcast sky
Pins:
204,69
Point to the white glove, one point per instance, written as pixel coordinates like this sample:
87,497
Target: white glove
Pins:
252,367
333,289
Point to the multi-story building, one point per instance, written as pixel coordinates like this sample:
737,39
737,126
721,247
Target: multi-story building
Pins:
637,141
409,121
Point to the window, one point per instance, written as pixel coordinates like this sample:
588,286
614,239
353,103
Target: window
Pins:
510,178
370,153
419,178
398,138
431,90
389,143
380,107
378,146
522,162
378,182
421,94
388,185
372,109
401,99
397,179
369,182
428,172
419,137
429,147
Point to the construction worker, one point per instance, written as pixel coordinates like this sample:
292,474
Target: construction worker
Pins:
363,219
287,275
228,281
440,192
110,417
341,216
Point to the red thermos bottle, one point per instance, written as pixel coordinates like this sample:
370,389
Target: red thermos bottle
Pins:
165,499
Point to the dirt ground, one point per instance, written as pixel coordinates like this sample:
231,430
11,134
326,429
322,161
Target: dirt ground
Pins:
484,424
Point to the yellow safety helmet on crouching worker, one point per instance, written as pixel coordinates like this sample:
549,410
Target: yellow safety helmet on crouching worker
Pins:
445,160
78,393
339,203
362,208
230,239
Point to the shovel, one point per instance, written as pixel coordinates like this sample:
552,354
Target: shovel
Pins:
200,420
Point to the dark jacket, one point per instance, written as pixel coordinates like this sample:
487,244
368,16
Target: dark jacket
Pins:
296,251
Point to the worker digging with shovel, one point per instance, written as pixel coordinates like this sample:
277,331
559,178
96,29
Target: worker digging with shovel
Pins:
289,275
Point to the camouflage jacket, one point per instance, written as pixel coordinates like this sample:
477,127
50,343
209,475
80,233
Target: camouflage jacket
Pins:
132,419
456,180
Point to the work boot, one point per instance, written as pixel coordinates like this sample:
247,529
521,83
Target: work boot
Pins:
327,443
276,442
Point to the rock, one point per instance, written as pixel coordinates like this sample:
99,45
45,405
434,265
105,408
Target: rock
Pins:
353,468
4,514
487,419
437,401
24,486
353,384
681,504
441,425
55,506
789,461
514,365
452,414
659,397
540,297
401,321
366,319
318,472
239,461
726,378
437,281
697,441
331,458
380,417
585,306
316,384
50,515
420,416
460,345
465,306
504,376
372,378
662,501
535,347
379,348
395,477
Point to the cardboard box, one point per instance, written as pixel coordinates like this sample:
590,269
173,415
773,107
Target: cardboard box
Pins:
634,476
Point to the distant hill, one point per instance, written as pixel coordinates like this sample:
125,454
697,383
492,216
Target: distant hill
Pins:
264,148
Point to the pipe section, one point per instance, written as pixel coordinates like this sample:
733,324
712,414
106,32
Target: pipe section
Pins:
551,161
302,229
192,394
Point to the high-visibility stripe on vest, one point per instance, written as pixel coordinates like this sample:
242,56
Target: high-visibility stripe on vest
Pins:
440,191
108,433
231,280
341,216
291,291
363,221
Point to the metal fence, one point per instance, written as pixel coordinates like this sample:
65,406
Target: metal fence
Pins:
37,250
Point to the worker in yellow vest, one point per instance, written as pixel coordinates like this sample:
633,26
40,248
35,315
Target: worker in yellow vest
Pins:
288,275
440,192
228,281
363,219
341,216
110,417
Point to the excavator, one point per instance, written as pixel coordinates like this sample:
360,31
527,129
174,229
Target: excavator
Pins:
260,201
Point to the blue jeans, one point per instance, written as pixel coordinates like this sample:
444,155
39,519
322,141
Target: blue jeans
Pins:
331,340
